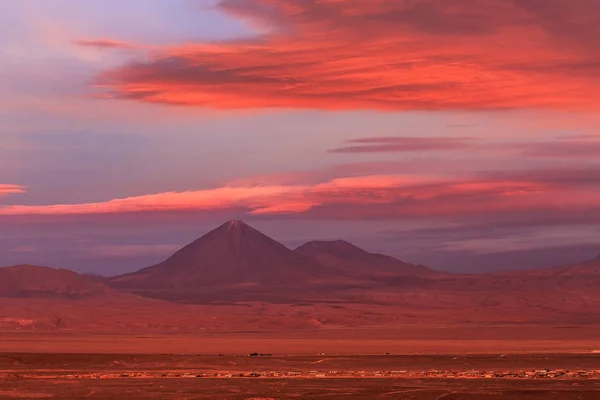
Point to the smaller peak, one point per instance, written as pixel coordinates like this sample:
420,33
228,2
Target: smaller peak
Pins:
330,245
322,242
344,242
338,242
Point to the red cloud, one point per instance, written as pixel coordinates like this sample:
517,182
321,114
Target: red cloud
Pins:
11,189
401,144
105,44
383,54
576,147
352,197
570,148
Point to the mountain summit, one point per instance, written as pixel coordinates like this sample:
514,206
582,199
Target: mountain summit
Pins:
233,253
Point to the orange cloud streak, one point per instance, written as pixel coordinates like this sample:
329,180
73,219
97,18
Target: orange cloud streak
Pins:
6,189
393,195
383,54
105,44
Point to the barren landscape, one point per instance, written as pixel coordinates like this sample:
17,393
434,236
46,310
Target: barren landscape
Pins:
300,199
248,318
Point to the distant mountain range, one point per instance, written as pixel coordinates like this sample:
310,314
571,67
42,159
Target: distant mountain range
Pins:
237,262
234,253
237,265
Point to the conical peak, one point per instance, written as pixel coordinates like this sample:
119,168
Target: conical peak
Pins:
238,226
236,223
232,230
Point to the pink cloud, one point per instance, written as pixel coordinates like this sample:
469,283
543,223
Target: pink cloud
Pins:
105,44
569,148
384,55
575,147
349,197
403,144
214,199
24,249
6,189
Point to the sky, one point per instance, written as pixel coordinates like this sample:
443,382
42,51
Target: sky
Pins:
461,135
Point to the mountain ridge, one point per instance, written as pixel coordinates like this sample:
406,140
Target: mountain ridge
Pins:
256,281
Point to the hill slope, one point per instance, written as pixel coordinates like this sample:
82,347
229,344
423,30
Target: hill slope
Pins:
34,281
351,259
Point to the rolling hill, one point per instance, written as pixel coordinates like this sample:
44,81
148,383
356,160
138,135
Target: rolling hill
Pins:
28,281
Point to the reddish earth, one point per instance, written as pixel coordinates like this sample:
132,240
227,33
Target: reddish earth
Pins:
293,389
410,340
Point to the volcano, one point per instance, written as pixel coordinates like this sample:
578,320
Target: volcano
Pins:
353,260
232,254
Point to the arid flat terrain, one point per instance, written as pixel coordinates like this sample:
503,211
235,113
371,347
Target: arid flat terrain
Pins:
189,345
280,389
309,389
246,377
415,339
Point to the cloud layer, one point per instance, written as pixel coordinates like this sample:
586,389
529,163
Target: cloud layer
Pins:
567,147
6,189
383,54
363,197
104,44
402,144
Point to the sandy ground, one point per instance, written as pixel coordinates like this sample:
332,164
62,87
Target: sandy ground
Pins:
29,372
474,339
305,389
33,375
46,364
